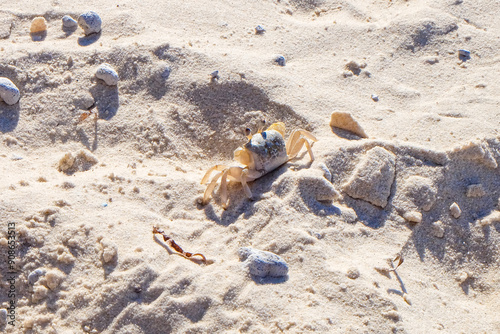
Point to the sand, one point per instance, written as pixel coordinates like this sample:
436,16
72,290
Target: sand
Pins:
84,196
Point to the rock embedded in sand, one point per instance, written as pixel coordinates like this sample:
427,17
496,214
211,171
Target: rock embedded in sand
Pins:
492,218
69,22
373,177
8,91
53,278
455,210
90,22
475,190
345,121
262,263
38,25
106,73
437,229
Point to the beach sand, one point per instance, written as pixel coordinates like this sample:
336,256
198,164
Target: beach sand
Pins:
83,197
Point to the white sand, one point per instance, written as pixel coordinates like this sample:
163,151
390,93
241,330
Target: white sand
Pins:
165,124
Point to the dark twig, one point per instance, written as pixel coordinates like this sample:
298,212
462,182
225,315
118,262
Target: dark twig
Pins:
175,246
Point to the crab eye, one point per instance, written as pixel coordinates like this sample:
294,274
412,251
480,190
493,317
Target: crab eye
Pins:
261,125
248,132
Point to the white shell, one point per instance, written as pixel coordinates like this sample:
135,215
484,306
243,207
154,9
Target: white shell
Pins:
8,91
90,22
108,74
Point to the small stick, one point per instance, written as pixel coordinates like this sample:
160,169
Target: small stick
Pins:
401,260
175,246
87,113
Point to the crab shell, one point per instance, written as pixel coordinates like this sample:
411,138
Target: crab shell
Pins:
265,152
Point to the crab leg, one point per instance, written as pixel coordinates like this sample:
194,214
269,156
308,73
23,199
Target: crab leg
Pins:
294,137
223,188
210,187
207,174
244,184
298,146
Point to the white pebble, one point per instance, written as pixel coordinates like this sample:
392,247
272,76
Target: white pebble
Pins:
455,210
69,22
35,275
8,91
259,29
375,97
262,263
413,217
3,317
108,74
90,22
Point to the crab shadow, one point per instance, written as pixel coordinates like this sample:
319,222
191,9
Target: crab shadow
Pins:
9,116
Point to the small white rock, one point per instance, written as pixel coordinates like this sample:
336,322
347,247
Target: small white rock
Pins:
35,275
90,22
413,216
375,97
108,74
262,263
8,91
69,22
3,317
455,210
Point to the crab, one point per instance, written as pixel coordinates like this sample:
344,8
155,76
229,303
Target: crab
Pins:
264,152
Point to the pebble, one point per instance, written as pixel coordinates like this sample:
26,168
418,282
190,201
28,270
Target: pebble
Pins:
8,91
35,275
464,53
353,273
455,210
262,263
280,60
413,217
106,73
214,76
437,229
69,22
39,24
3,317
90,22
259,30
375,97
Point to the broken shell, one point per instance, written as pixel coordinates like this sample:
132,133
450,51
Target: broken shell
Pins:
69,22
106,73
39,24
90,22
8,91
345,121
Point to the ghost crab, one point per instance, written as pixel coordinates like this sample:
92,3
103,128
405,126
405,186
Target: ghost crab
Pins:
264,152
